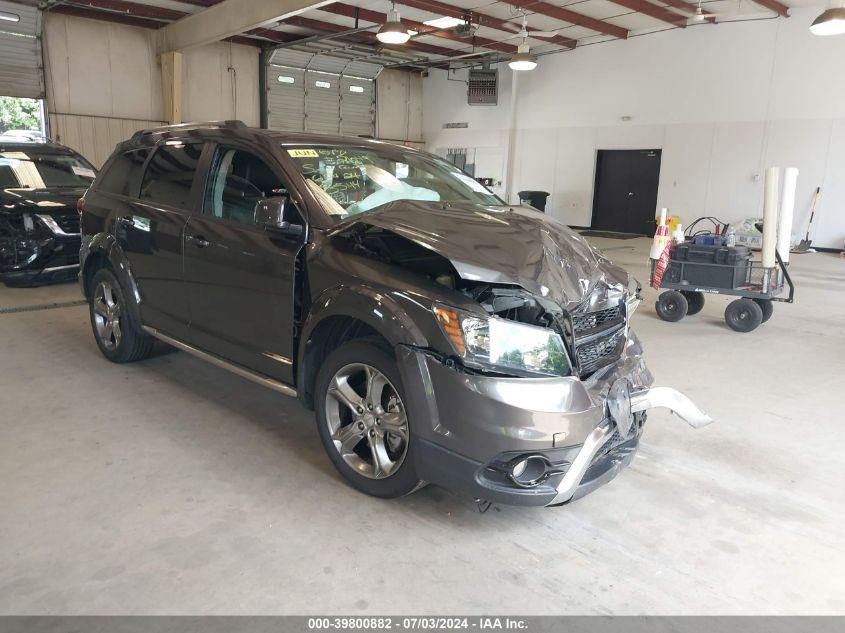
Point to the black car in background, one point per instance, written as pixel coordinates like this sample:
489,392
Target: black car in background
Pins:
40,185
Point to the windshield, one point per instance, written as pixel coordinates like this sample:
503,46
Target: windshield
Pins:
41,170
351,180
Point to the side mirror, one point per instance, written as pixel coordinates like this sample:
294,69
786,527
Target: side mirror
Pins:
270,214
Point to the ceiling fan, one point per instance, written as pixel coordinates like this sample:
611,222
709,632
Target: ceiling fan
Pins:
524,31
700,15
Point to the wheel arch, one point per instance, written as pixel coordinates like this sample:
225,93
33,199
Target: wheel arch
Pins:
345,313
104,252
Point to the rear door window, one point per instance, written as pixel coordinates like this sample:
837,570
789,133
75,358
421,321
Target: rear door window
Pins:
123,175
170,175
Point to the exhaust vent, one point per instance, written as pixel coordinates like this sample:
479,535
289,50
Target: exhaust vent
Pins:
483,87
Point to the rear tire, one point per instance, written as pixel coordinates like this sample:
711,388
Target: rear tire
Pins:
671,306
118,336
767,307
360,401
695,301
743,315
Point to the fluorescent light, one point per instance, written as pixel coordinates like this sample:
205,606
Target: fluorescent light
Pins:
9,17
523,59
444,23
392,31
831,22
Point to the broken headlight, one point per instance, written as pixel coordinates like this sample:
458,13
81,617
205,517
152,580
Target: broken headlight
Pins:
503,345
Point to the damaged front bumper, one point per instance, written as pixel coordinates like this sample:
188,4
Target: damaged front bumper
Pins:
531,441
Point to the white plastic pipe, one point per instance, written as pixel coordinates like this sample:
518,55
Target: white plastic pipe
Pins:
787,208
770,216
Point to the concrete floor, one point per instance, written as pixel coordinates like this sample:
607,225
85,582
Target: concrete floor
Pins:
170,486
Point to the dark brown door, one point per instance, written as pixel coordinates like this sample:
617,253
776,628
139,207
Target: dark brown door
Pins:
625,197
239,276
149,230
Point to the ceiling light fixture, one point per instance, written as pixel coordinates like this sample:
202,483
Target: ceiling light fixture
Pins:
392,31
523,59
831,22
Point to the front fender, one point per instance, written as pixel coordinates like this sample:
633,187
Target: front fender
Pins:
105,245
384,311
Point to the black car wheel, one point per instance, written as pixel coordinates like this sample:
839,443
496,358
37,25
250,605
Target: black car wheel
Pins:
118,336
362,420
695,301
743,315
767,307
671,306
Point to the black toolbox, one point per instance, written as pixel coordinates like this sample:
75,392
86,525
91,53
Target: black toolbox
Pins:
710,254
706,265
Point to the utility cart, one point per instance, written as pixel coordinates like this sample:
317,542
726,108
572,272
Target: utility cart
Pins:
695,270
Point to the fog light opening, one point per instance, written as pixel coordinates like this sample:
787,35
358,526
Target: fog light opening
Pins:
530,471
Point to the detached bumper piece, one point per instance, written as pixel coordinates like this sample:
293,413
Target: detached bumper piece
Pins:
593,467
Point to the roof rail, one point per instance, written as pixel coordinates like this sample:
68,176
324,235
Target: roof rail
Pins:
184,127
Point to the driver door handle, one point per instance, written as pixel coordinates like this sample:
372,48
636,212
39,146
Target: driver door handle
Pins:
198,240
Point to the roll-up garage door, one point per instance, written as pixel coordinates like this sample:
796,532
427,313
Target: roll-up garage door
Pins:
322,102
356,105
285,98
20,51
320,93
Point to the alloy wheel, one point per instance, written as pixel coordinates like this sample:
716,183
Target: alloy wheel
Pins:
107,315
367,421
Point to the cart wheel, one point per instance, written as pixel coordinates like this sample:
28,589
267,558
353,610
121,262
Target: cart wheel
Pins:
743,315
671,306
767,307
695,301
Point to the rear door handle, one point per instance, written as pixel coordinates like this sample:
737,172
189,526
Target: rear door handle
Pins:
199,241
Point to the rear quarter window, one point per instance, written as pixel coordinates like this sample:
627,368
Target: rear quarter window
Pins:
122,175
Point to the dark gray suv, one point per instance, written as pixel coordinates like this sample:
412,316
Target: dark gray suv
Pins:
440,334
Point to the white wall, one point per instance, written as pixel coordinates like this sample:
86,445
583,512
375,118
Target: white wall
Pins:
99,70
722,101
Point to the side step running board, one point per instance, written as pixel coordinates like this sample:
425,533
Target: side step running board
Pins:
275,385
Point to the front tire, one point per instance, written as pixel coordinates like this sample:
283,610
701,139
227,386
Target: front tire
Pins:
743,315
363,424
671,306
118,336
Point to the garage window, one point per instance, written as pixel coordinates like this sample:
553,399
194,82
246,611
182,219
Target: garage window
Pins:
285,79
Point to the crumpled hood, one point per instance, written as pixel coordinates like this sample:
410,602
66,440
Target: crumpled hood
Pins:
506,244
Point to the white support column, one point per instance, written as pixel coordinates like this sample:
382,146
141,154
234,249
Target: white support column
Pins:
228,18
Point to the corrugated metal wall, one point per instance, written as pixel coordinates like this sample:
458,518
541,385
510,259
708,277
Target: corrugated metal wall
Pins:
94,137
20,52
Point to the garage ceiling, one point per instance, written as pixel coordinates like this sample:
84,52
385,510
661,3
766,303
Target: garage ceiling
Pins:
348,27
